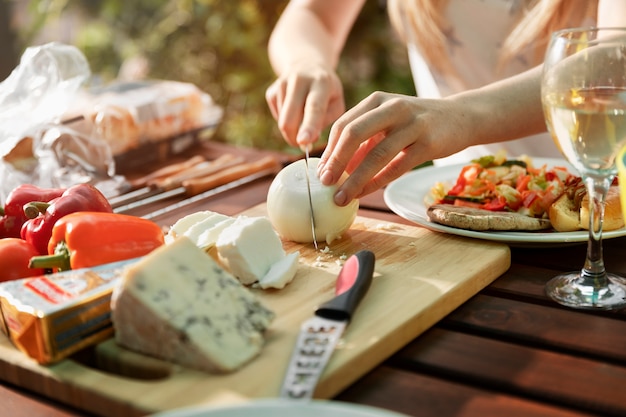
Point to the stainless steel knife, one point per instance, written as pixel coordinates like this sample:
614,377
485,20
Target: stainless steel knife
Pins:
204,186
308,187
319,335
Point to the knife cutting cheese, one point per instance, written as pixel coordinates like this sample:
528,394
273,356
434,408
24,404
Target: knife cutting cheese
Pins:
288,205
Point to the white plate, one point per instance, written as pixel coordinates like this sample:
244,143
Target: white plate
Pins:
405,196
282,408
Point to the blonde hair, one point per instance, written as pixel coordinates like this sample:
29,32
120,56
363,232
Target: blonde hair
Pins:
537,19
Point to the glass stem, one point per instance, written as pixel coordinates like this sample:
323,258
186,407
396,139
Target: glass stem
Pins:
593,271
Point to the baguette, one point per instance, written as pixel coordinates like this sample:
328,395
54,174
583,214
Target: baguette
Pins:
570,212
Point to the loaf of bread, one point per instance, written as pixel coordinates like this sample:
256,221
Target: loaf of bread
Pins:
130,114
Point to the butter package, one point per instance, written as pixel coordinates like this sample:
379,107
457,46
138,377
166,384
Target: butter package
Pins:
50,317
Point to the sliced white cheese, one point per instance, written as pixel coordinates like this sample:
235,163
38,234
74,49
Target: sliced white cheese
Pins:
281,273
249,250
178,304
249,247
184,223
208,238
195,231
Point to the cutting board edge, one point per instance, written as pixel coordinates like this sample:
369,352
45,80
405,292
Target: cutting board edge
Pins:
331,387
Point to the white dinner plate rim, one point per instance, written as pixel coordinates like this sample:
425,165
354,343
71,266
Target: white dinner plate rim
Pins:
281,408
405,197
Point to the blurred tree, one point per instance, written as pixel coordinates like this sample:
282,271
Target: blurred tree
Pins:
220,46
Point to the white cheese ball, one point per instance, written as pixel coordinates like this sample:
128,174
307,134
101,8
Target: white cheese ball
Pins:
288,205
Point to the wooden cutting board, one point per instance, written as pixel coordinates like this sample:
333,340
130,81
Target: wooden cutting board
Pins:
420,277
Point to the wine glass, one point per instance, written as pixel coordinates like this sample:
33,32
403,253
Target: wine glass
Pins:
583,92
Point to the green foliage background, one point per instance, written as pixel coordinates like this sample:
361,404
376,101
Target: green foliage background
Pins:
220,46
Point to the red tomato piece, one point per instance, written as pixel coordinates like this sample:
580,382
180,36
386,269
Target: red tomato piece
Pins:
497,204
15,255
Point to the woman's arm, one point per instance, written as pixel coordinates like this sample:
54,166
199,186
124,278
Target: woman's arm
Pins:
386,135
311,31
504,110
304,50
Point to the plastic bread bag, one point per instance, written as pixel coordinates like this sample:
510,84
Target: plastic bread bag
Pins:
67,156
128,115
35,147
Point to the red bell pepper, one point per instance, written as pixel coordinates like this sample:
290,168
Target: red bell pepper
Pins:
86,239
15,255
43,216
13,216
496,204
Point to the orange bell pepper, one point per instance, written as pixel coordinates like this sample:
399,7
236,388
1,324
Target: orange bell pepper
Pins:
86,239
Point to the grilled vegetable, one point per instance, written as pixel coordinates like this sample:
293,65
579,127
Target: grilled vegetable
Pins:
494,184
44,215
86,239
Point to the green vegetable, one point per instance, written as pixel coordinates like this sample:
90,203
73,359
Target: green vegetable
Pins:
451,198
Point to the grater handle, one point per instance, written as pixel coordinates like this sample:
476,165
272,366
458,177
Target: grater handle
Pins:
352,284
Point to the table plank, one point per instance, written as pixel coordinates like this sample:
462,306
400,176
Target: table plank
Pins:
416,393
526,371
547,327
17,402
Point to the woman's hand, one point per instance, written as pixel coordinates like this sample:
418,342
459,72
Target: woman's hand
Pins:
304,101
385,136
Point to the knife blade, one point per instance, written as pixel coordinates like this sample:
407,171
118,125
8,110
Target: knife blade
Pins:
210,193
319,335
196,186
157,184
308,187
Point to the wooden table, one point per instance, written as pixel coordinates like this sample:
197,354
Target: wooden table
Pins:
508,351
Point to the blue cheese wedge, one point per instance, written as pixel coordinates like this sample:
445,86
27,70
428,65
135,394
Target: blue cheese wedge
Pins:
179,305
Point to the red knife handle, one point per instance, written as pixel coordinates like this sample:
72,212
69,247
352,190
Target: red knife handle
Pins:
352,284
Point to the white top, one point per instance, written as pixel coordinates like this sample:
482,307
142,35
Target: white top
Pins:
479,27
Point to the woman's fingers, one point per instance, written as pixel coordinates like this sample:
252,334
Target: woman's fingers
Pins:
324,104
276,96
292,110
364,127
346,136
384,162
361,186
272,98
375,142
303,104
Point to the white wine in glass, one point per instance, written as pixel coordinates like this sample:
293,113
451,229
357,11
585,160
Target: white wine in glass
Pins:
583,93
